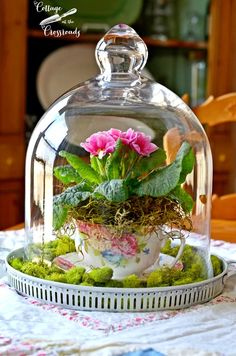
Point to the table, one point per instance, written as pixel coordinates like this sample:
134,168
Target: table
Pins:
29,327
223,229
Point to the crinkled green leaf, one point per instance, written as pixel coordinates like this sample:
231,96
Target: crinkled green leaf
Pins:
59,216
67,174
83,169
164,180
114,190
183,198
72,196
148,164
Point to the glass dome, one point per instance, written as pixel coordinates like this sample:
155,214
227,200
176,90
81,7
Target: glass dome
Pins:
120,170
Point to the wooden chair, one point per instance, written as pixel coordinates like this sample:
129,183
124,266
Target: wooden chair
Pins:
218,116
224,207
216,111
215,114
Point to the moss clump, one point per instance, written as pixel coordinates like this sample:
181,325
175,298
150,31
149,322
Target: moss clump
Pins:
217,265
163,277
101,275
35,269
193,271
17,263
55,269
49,250
87,279
193,263
182,281
114,283
132,281
57,277
86,284
74,275
64,245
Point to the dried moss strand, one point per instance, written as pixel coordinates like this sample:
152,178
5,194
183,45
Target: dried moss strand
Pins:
135,213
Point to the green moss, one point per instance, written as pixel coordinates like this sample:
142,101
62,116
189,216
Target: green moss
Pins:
155,279
35,269
87,279
113,283
49,250
194,265
181,281
101,275
132,281
86,284
64,245
57,277
17,263
193,271
134,213
75,275
217,265
55,269
164,276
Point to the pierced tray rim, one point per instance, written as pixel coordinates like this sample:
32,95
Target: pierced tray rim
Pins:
20,253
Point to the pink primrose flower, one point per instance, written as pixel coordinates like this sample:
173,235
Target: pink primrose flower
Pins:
128,137
142,144
115,133
99,144
136,140
139,142
102,143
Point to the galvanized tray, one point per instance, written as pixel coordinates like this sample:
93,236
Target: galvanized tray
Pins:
114,299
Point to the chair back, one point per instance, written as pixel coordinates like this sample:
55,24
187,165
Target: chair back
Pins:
218,116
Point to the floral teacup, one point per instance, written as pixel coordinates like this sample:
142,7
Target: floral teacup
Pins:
125,252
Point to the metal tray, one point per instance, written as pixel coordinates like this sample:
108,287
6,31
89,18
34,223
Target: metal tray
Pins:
114,299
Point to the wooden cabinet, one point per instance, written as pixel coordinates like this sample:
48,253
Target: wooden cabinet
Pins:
13,34
13,60
222,48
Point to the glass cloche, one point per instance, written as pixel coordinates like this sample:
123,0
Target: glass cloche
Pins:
119,179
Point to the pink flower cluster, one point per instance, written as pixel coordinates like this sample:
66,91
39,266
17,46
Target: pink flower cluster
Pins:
102,143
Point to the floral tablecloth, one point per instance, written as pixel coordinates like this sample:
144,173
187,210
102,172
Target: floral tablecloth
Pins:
29,327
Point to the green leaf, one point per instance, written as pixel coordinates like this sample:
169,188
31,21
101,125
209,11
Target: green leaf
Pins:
164,180
159,184
94,163
183,198
112,167
73,196
59,216
114,190
82,168
98,164
147,164
67,174
187,164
